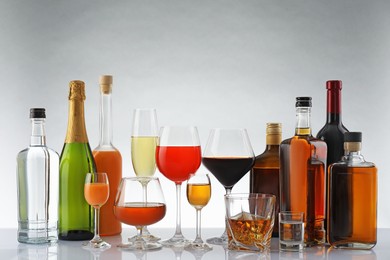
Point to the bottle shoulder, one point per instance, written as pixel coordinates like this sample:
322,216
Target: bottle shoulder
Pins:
269,158
309,139
330,130
357,161
38,152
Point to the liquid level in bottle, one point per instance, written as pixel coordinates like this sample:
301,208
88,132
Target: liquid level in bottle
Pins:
228,170
266,180
302,173
352,196
110,162
198,195
143,155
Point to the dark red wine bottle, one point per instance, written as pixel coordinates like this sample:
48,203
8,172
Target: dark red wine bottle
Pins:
333,134
333,130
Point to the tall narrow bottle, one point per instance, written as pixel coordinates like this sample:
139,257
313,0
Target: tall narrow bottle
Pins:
302,174
37,180
359,212
264,176
76,217
108,159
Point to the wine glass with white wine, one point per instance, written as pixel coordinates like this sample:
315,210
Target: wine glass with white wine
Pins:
143,150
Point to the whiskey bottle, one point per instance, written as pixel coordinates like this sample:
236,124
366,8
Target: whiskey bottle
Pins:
302,174
264,176
352,212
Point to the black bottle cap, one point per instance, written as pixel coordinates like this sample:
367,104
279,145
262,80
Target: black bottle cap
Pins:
37,113
353,137
303,102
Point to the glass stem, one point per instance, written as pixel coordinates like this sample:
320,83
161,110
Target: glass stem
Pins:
97,236
178,210
198,238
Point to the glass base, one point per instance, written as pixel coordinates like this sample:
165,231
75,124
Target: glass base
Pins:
221,241
146,237
198,247
144,246
176,241
98,244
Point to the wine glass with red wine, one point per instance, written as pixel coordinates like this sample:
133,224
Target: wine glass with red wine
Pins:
228,155
178,155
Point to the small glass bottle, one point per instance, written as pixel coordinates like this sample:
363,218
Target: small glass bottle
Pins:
352,213
302,174
108,159
264,176
37,186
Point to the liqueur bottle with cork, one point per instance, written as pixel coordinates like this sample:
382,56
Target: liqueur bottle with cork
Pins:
359,211
76,216
302,174
37,186
108,159
264,176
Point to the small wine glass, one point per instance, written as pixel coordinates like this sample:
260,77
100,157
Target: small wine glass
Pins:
96,193
228,156
178,155
144,137
131,208
198,195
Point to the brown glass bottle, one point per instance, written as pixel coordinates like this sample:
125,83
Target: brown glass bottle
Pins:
359,213
264,176
302,175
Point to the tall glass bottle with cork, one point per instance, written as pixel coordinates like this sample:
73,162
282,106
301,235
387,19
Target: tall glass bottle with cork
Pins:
108,159
37,186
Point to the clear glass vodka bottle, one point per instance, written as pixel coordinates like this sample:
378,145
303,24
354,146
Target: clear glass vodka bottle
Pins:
37,186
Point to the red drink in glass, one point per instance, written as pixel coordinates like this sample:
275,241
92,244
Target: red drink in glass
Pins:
177,163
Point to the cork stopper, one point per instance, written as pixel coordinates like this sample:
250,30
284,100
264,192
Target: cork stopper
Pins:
105,82
76,90
274,133
353,141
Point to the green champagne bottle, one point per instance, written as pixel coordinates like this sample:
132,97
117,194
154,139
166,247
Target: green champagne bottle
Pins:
76,216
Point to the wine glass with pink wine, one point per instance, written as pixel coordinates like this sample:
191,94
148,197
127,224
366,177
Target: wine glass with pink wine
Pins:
178,155
228,155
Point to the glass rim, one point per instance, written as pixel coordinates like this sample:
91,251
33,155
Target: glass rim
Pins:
140,178
248,195
145,109
292,213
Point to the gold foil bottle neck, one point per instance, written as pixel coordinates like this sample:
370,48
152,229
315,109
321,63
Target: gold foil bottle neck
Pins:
274,133
76,90
76,132
105,82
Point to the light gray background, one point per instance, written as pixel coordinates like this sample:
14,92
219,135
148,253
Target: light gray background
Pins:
205,63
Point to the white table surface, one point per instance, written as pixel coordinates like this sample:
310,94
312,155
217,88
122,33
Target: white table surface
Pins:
65,250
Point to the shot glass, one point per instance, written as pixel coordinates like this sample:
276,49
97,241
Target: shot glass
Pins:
291,231
250,221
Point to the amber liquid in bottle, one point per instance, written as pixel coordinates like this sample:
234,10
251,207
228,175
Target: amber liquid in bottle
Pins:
302,175
264,176
359,213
